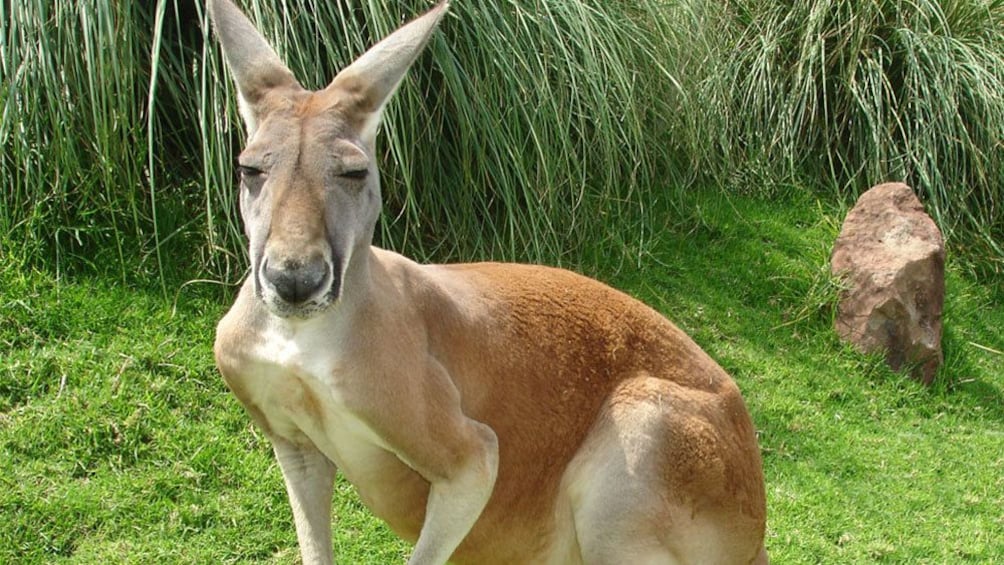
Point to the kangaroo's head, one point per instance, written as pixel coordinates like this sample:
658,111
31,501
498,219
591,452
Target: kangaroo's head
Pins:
309,186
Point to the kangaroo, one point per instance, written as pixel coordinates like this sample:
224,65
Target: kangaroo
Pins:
489,412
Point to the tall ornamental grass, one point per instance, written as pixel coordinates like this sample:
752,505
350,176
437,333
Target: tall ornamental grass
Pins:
527,129
72,118
851,93
100,146
528,126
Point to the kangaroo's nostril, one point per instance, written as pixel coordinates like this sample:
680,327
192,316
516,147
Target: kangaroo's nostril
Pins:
294,281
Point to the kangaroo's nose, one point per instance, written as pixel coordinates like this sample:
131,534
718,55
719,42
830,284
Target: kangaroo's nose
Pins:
296,281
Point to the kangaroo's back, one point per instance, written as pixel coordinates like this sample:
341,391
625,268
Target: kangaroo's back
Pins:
560,328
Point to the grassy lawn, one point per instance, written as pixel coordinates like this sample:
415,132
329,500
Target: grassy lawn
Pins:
120,443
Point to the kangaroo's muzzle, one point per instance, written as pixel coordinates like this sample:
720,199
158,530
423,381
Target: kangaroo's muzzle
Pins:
295,281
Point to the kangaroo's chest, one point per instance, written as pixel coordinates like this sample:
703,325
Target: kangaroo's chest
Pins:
303,390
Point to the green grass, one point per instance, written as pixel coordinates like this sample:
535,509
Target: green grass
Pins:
119,442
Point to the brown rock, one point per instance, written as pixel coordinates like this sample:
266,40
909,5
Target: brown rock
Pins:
892,257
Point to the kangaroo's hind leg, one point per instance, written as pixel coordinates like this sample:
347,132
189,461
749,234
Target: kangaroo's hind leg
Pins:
669,475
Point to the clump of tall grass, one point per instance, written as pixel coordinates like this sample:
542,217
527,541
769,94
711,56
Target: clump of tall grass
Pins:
72,170
96,156
853,93
527,125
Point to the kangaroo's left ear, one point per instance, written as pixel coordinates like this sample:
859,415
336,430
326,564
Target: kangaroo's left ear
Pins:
255,66
370,81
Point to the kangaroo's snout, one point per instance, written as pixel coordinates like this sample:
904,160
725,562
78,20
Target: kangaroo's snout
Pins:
296,281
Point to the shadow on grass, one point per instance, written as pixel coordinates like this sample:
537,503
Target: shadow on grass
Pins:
961,375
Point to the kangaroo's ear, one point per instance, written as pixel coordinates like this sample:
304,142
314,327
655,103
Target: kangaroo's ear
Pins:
371,79
255,66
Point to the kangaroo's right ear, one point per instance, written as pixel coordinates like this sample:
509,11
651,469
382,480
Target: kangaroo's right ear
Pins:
372,78
255,66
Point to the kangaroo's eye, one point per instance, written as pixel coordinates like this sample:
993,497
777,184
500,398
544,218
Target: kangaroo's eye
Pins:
249,172
252,179
358,174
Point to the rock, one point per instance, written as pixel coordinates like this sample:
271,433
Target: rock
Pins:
892,257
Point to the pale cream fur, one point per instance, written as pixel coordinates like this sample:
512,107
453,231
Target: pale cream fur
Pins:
491,413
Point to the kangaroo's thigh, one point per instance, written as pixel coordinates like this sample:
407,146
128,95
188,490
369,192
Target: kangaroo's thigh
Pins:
650,483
